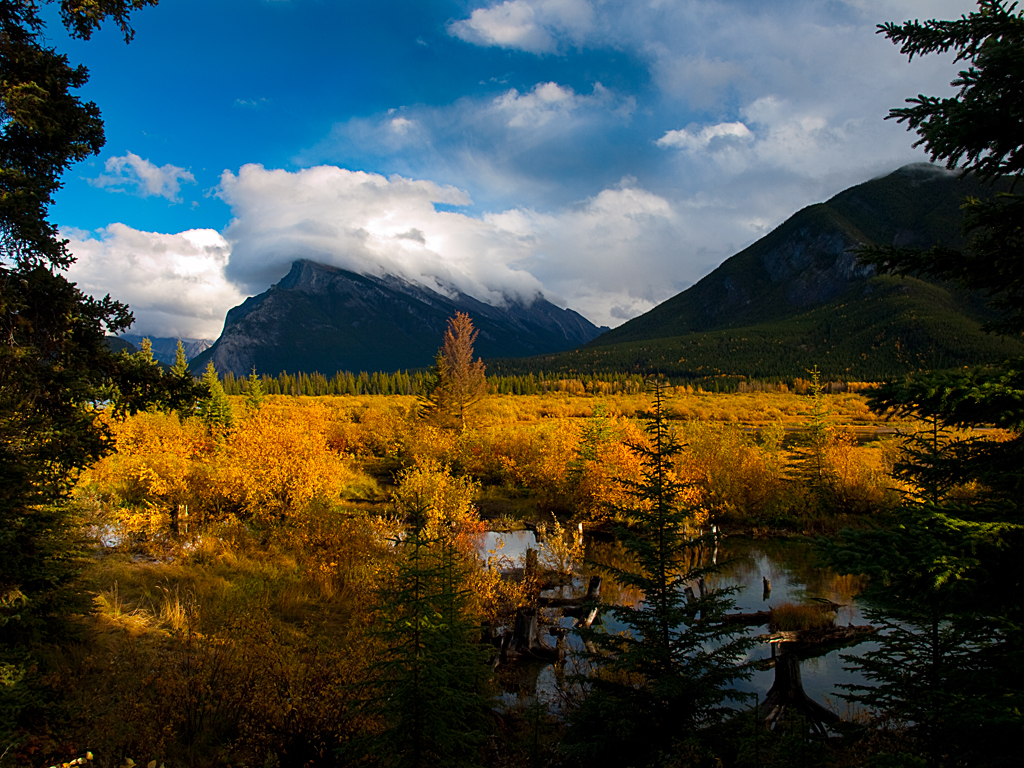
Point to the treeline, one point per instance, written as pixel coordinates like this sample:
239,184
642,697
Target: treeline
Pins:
420,383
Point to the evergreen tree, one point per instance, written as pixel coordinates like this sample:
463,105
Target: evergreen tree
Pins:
182,391
947,566
431,689
55,365
655,688
215,409
180,367
254,393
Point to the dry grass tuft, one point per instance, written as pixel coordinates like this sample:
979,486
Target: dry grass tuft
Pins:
790,617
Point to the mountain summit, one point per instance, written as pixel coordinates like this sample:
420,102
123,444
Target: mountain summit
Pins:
322,318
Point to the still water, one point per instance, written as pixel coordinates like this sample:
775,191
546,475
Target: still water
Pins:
795,575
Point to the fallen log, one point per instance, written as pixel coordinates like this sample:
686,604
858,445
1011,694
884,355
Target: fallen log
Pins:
593,595
750,619
822,635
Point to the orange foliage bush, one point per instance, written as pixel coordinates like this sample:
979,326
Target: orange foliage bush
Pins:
274,465
733,472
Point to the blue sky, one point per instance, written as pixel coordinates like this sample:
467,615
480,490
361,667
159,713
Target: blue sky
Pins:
605,153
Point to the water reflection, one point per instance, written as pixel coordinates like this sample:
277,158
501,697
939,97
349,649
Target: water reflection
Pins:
795,573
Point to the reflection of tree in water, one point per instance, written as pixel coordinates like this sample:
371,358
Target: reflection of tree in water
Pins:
746,562
614,554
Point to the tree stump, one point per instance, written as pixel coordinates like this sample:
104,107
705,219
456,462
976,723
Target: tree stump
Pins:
787,696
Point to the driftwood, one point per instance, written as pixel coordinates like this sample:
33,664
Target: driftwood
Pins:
807,638
593,595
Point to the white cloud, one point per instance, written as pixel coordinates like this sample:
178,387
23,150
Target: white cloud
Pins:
702,139
401,125
143,178
507,143
174,283
534,26
610,258
369,224
252,103
546,102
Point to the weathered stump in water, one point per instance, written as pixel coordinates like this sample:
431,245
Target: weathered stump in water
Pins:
526,639
787,696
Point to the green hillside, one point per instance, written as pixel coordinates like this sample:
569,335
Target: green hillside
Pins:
885,328
798,298
808,261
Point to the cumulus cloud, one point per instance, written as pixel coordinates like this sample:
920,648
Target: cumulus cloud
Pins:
174,283
546,102
702,139
506,146
534,26
130,173
610,256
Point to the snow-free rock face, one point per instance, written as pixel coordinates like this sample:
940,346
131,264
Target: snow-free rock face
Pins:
326,319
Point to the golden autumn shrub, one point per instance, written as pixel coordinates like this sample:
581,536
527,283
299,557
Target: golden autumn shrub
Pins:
538,457
273,464
735,474
856,479
445,499
158,471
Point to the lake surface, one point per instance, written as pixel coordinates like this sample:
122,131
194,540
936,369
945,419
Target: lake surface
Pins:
795,574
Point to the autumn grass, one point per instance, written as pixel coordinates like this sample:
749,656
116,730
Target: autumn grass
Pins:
792,617
682,403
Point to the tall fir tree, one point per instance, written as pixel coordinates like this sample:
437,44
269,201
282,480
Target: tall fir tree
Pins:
215,409
432,679
656,688
55,365
947,565
254,393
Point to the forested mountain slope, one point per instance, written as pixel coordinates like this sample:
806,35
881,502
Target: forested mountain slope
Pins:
807,261
798,298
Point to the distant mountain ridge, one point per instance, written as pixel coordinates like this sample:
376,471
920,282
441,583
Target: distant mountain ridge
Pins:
165,348
326,319
798,298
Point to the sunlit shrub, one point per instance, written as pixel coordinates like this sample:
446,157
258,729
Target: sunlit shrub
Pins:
445,499
274,466
737,475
